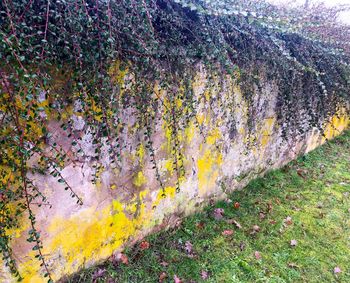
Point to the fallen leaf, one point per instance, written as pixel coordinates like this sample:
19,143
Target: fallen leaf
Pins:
177,279
241,246
218,213
227,232
288,220
232,221
292,265
162,276
98,274
301,173
256,228
236,205
204,275
273,222
257,255
262,215
164,263
144,245
269,207
337,270
293,243
200,225
188,247
120,257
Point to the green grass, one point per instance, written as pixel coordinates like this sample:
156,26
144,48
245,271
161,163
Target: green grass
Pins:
314,191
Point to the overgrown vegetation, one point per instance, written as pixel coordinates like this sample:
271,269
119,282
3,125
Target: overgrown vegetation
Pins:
290,226
59,53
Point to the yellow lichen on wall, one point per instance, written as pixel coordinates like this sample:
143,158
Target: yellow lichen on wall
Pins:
141,153
208,170
266,131
168,192
338,123
117,73
139,179
87,236
213,136
190,132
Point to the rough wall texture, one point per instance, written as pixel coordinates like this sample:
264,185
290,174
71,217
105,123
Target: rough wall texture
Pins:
221,153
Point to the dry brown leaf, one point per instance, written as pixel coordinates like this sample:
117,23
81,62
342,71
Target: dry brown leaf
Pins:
227,232
232,221
218,213
120,257
241,246
177,279
204,275
292,265
269,207
262,215
288,220
200,225
162,276
257,255
164,263
144,245
188,247
256,228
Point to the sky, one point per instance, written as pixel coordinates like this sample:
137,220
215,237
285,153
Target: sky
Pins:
345,17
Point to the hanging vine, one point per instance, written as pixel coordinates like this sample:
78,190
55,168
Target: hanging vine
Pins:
75,43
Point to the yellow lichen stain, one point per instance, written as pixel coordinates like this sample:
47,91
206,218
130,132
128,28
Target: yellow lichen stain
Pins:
141,153
213,136
266,131
68,111
97,110
116,73
190,132
139,179
86,237
136,202
168,192
169,165
336,125
207,94
32,270
178,103
200,118
168,136
208,170
333,128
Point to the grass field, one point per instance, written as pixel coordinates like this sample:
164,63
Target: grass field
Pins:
293,225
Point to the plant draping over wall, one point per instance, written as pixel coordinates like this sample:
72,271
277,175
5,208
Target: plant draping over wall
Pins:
59,53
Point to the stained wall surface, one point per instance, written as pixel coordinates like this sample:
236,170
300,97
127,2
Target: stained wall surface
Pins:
220,149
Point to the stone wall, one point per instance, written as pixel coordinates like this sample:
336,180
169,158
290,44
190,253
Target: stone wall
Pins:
221,153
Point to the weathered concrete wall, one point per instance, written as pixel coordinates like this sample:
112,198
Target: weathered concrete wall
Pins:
220,155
